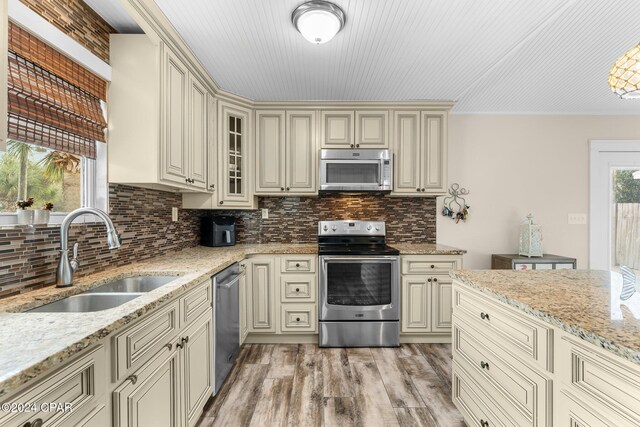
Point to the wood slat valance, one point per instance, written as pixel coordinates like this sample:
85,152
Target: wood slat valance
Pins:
53,101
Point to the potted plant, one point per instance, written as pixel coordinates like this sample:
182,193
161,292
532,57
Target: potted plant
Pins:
42,215
25,216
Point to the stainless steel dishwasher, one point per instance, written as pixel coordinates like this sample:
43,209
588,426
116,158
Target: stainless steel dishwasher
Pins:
226,333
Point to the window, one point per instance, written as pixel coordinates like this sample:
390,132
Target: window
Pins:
56,121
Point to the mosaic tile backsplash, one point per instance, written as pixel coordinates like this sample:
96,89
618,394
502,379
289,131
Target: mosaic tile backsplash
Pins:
29,255
295,219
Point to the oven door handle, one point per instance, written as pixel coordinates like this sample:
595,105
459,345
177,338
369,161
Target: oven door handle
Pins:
350,258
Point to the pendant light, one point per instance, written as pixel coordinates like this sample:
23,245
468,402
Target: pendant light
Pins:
624,77
318,21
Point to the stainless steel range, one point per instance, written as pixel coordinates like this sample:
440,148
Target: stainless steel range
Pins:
359,302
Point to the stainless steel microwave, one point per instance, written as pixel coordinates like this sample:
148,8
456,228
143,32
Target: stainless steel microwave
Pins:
356,170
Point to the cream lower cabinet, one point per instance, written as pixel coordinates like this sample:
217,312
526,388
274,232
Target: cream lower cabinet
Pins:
286,154
280,295
426,298
158,138
513,369
420,152
244,312
154,372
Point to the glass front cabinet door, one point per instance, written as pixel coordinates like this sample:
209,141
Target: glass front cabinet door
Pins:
234,157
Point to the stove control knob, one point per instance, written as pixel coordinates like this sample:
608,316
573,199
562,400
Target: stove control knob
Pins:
377,228
369,227
325,228
334,228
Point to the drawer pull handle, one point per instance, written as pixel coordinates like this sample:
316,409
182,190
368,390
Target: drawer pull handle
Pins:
484,365
133,379
169,346
297,289
297,319
484,423
297,264
484,316
433,266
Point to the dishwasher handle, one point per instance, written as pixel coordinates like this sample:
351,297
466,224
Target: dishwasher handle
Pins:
230,283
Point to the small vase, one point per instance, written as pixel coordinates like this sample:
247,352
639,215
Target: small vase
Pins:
41,216
25,217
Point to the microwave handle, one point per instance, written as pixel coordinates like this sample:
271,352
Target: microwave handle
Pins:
380,178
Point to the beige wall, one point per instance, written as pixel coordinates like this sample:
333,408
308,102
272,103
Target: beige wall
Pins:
516,164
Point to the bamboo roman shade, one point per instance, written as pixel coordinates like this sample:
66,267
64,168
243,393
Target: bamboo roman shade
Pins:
52,101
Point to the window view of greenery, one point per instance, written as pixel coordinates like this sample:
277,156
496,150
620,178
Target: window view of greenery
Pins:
47,176
627,217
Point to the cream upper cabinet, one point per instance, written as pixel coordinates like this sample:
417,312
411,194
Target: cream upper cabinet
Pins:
234,157
420,152
286,153
372,129
337,129
270,151
355,129
158,109
198,136
175,99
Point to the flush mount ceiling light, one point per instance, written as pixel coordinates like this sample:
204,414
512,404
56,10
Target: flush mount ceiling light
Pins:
624,77
318,21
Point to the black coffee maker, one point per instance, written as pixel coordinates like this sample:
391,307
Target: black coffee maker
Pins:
218,231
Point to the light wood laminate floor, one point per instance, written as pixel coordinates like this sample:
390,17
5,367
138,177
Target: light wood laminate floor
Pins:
304,385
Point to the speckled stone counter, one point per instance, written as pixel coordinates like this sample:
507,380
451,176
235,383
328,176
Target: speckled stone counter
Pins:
584,303
32,343
426,249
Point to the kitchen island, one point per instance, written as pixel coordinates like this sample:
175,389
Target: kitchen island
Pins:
545,347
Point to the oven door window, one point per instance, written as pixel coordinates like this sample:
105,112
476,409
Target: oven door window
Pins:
358,283
352,173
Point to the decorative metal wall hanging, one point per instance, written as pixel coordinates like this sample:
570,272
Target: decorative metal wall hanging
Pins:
455,205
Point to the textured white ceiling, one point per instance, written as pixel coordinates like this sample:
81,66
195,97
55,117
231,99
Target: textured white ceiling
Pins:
512,56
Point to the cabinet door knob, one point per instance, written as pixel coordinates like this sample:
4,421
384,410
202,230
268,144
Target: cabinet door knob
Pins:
484,316
297,264
212,186
435,279
133,379
288,189
351,145
169,346
417,189
221,202
423,189
484,365
484,423
429,279
297,319
357,145
281,188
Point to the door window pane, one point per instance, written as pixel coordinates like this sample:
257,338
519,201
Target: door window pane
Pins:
626,218
355,283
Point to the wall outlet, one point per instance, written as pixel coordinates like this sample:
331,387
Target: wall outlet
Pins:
174,214
265,213
577,218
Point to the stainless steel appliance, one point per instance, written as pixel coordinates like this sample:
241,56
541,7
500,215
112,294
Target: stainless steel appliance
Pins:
356,170
218,231
359,303
226,315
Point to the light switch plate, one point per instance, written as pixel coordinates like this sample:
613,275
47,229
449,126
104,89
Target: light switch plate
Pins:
174,214
577,218
265,213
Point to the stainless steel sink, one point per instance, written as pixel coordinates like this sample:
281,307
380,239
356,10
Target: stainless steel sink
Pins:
86,302
133,284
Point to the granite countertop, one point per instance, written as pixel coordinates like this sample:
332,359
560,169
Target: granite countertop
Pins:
584,303
32,343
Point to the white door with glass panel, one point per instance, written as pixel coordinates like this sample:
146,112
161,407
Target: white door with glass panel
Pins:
615,205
